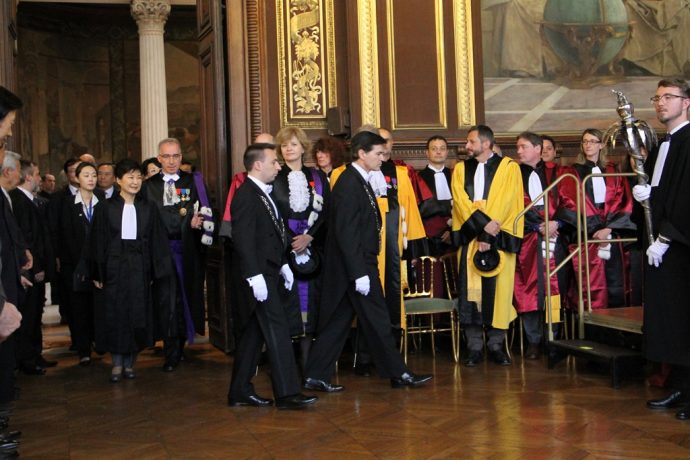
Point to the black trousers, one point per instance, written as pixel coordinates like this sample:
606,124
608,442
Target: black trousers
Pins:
7,365
170,317
374,321
268,324
29,336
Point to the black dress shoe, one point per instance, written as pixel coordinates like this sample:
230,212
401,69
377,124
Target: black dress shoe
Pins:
129,374
170,366
44,363
670,401
251,400
321,385
684,413
499,357
10,445
363,369
474,358
298,401
10,436
408,379
32,370
533,352
85,361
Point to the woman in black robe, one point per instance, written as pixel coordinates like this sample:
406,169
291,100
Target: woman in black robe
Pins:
128,249
302,195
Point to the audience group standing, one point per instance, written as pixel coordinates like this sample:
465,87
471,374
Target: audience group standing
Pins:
312,248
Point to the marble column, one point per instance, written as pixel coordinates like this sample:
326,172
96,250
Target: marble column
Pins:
151,16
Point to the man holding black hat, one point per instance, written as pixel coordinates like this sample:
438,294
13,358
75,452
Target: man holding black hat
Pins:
487,197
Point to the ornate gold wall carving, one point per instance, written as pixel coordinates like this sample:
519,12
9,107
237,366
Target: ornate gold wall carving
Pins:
464,61
306,61
441,122
368,62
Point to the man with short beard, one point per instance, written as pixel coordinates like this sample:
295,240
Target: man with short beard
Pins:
487,197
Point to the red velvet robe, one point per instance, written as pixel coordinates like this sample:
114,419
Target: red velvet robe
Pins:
614,213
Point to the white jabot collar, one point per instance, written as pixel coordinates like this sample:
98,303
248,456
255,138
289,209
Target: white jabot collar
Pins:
598,186
535,188
167,177
434,169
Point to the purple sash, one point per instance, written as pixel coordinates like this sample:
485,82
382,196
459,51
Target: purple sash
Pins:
176,251
298,227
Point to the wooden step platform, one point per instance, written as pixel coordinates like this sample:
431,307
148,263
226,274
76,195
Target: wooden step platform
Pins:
615,357
628,319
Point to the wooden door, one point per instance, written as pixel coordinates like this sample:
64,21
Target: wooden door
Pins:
214,161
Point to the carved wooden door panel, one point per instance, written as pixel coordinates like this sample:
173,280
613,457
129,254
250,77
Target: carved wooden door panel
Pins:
214,161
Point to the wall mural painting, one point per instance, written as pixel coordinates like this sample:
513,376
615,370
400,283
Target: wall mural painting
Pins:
550,65
80,89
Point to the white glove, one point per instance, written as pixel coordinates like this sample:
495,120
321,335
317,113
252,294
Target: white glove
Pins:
604,251
363,285
287,275
655,252
552,247
641,192
302,257
258,284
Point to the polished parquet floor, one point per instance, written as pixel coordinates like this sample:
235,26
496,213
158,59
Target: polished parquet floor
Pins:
524,411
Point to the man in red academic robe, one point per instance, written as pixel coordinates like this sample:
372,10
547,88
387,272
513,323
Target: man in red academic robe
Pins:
530,287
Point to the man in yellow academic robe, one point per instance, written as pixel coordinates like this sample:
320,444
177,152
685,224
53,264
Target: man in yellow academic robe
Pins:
487,197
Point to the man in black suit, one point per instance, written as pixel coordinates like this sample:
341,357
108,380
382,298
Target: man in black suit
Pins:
33,225
351,281
60,286
260,244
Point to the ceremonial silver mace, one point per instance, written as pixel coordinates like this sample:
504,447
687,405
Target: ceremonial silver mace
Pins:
636,134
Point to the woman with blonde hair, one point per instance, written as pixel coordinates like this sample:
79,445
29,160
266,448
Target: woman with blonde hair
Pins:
301,195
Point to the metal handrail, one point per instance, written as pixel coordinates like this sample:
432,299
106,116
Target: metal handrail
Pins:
578,212
583,215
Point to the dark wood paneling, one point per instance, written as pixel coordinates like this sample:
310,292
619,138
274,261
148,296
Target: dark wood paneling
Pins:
214,162
415,64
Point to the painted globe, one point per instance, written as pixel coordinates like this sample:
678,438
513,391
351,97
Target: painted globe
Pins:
597,28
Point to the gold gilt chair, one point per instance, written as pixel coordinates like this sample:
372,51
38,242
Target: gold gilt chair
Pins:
419,303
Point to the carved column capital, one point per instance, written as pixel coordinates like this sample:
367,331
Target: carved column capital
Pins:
150,12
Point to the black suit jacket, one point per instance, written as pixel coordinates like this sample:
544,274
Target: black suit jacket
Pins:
73,230
352,245
12,250
33,227
260,243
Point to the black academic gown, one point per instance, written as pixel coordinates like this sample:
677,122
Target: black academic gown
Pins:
176,222
305,295
666,293
124,319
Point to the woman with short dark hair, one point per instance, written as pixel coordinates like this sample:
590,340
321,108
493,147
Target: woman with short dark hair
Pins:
128,250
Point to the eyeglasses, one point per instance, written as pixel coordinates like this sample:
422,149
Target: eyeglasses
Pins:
176,156
665,98
590,141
